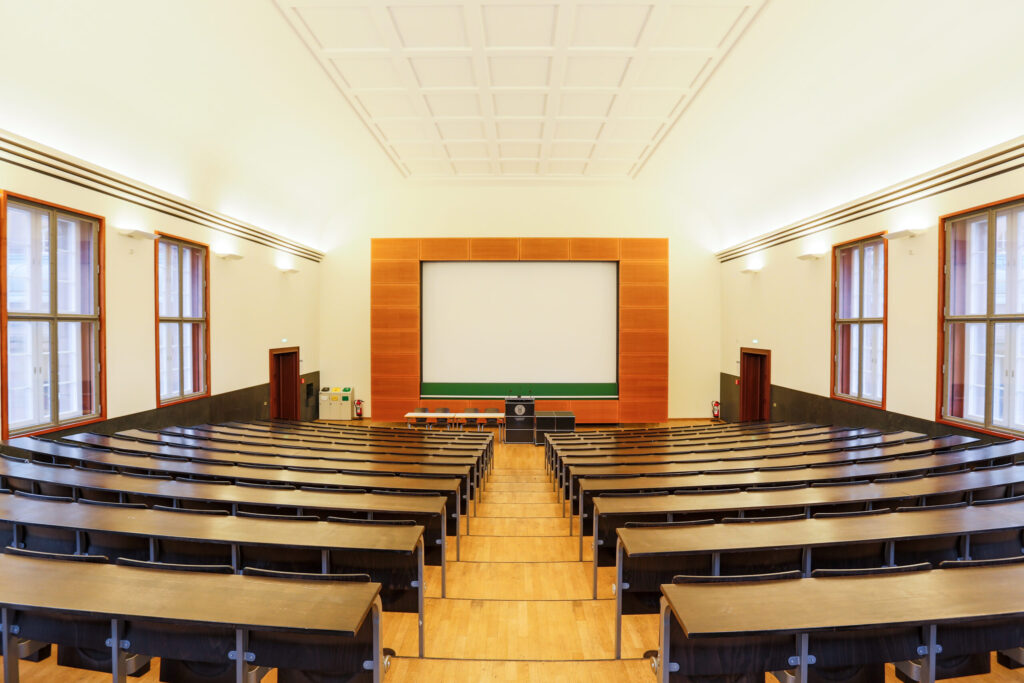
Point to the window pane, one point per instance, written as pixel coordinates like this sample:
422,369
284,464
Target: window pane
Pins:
874,280
1007,393
76,266
968,267
170,361
847,359
1009,265
76,369
1000,374
965,371
192,282
28,374
873,362
28,259
848,293
194,371
168,278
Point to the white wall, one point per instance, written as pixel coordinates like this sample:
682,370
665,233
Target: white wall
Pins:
787,305
465,210
253,306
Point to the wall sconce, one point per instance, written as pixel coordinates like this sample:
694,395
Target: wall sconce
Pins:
753,268
810,256
900,234
288,270
228,255
137,234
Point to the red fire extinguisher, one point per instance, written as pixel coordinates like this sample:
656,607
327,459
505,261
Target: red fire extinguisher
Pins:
359,408
716,409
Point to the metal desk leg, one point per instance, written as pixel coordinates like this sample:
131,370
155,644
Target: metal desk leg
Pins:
10,647
663,650
458,532
378,654
444,561
581,535
419,591
118,660
801,668
619,554
928,661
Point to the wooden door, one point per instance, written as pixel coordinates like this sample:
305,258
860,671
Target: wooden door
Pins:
284,383
755,384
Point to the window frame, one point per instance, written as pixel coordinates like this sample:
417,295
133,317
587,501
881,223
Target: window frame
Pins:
835,321
205,319
99,318
989,319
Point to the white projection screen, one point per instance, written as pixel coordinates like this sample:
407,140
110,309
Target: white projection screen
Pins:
491,329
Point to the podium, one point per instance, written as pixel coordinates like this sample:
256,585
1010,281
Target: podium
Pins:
519,419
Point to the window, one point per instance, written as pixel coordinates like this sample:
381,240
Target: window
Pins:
52,339
182,326
983,318
858,321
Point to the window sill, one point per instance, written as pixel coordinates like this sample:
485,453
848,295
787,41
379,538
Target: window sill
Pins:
58,428
177,401
858,402
981,429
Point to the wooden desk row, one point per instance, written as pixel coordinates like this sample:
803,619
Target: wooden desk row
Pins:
245,620
390,555
647,557
838,622
428,511
613,512
928,462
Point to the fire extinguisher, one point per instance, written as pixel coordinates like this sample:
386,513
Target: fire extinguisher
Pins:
359,408
716,409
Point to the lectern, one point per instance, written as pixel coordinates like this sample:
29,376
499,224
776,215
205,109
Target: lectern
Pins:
519,419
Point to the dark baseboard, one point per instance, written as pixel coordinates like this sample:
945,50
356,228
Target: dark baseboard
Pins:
791,405
251,403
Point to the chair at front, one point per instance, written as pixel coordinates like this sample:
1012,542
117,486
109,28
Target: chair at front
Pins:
473,421
419,421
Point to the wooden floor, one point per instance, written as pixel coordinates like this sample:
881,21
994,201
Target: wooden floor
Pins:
519,604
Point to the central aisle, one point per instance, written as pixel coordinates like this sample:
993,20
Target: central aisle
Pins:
519,605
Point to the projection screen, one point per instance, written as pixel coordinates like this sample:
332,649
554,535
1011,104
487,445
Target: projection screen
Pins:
491,329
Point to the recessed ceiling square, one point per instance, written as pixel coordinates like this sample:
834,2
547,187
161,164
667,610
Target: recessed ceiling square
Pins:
649,103
584,72
672,71
519,104
468,150
454,129
444,72
523,25
609,25
456,104
419,150
473,167
578,130
341,27
430,25
566,167
403,129
520,130
368,72
518,72
388,104
519,167
585,104
571,150
519,149
633,129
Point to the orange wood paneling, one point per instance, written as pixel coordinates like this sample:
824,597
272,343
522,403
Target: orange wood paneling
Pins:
643,387
639,248
444,249
594,249
395,341
643,341
453,405
390,364
402,248
394,408
407,272
642,411
544,249
395,295
547,404
595,412
643,364
632,295
394,318
487,403
643,272
643,319
494,249
394,387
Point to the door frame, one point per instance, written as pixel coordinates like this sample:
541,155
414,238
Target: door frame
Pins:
275,379
766,383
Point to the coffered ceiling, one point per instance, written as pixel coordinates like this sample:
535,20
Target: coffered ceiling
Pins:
511,89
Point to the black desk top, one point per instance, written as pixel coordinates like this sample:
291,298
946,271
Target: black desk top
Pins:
249,602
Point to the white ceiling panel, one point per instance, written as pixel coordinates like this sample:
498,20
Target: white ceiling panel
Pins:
508,88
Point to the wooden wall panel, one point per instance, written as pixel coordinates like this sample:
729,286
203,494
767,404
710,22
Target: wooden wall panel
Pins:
404,248
643,364
594,249
643,272
407,272
494,249
444,249
634,295
453,405
394,318
643,319
645,249
395,295
391,364
544,249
